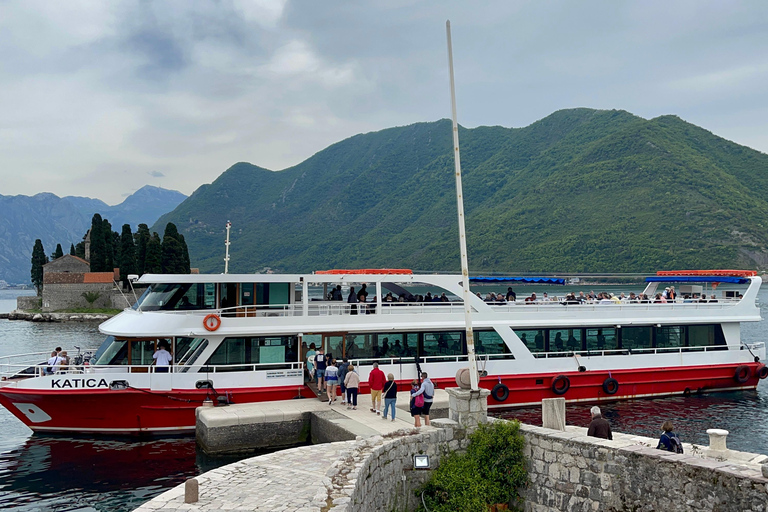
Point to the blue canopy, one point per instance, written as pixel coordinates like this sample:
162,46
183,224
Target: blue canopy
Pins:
536,280
696,279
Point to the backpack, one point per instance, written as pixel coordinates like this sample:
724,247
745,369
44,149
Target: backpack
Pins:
418,400
675,445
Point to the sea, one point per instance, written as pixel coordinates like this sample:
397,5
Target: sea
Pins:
60,473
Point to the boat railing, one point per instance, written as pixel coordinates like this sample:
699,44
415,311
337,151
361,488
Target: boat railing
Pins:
638,351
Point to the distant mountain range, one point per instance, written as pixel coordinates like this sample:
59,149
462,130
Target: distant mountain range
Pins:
56,220
582,191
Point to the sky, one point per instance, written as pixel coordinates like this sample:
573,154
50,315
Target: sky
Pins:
99,98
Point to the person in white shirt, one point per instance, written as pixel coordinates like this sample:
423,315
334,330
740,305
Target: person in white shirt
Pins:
162,358
53,363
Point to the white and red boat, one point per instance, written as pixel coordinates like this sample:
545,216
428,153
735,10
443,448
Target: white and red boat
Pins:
243,338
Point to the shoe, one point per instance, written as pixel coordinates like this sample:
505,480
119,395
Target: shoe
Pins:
393,419
373,410
330,402
384,417
354,408
378,413
349,408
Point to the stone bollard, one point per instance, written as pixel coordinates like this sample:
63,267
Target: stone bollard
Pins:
553,413
468,408
191,491
717,439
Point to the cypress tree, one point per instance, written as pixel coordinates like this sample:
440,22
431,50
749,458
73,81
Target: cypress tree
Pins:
153,261
72,250
58,253
141,238
127,254
80,250
98,245
173,257
38,260
109,247
185,254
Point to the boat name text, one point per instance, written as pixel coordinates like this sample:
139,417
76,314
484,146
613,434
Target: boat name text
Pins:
79,383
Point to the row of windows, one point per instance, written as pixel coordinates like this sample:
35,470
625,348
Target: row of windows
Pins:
170,296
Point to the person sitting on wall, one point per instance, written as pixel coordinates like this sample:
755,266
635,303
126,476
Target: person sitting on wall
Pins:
599,427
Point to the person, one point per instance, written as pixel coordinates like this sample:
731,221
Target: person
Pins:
428,390
669,440
352,299
599,427
343,367
331,380
511,295
376,381
336,293
320,364
53,363
310,358
162,358
352,383
416,404
390,396
64,360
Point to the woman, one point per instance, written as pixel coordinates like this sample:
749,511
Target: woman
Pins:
352,382
669,440
390,395
331,380
352,300
310,358
417,402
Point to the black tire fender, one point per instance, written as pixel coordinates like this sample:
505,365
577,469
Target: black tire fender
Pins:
742,374
610,386
560,385
762,371
500,392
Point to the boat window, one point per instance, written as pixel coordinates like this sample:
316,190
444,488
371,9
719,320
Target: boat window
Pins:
534,339
636,337
254,350
442,344
561,340
188,349
705,335
489,342
362,346
140,299
142,352
170,296
111,352
602,338
669,337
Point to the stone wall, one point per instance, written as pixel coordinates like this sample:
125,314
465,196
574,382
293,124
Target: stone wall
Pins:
58,297
570,471
27,303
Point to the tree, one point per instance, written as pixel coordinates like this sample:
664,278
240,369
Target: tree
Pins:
127,254
175,255
58,253
80,250
109,243
98,256
72,250
141,238
38,260
153,264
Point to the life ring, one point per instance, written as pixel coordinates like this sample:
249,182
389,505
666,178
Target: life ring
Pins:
762,371
500,392
610,386
560,384
212,322
742,374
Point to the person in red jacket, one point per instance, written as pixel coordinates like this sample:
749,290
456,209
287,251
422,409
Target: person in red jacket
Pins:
376,381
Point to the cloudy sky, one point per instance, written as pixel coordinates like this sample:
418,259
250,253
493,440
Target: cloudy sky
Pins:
99,98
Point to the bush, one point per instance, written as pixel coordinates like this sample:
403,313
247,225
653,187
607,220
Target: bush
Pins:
492,471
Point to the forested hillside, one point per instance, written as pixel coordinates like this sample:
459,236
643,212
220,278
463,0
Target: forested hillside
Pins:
581,190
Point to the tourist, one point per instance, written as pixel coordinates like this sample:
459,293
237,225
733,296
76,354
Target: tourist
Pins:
376,380
343,368
320,370
427,389
352,300
669,440
511,295
599,427
417,403
352,383
331,380
310,358
390,396
64,359
162,358
336,293
53,363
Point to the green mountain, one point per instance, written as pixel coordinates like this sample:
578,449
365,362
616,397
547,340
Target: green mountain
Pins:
582,190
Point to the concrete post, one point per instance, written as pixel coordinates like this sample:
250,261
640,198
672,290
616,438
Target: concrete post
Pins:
468,408
191,491
553,413
717,439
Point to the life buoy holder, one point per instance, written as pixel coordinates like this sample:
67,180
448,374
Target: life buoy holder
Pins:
500,392
742,374
560,385
610,386
762,371
212,322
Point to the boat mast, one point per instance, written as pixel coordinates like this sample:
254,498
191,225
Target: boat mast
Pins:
226,255
462,231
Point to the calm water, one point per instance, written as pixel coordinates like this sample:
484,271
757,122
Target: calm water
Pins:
49,473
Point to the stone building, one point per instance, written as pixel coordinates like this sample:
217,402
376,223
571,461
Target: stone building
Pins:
68,284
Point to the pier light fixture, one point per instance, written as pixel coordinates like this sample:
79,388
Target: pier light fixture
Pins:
421,462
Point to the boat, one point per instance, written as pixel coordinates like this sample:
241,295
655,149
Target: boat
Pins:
240,338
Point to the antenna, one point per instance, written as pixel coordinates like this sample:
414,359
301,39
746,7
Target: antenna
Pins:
226,244
462,231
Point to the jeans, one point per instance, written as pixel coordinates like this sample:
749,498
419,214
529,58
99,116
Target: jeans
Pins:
389,402
319,374
352,396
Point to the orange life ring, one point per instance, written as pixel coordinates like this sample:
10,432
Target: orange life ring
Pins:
212,322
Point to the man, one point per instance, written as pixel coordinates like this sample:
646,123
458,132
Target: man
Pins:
336,293
428,390
53,363
162,358
376,381
511,295
320,371
599,427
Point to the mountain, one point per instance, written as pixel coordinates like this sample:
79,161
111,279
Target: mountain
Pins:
581,190
65,221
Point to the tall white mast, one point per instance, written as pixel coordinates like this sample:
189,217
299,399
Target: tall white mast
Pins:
226,255
462,231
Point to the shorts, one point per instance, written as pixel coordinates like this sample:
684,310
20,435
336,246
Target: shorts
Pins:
415,411
376,395
320,373
426,408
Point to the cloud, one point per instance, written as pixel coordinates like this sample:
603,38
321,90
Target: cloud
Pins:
156,174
